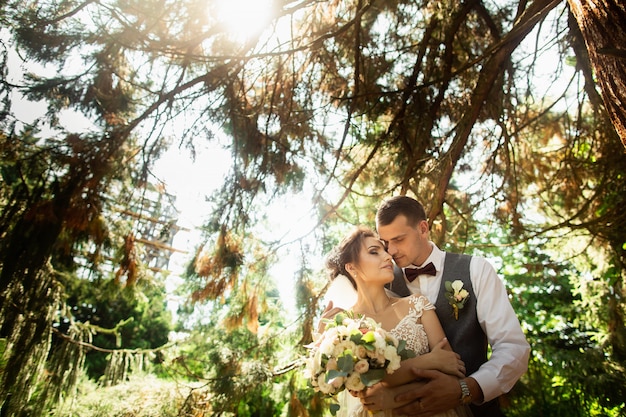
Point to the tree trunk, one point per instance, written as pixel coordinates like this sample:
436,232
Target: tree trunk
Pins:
603,25
29,297
29,291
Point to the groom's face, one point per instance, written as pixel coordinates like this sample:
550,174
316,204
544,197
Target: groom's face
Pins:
407,244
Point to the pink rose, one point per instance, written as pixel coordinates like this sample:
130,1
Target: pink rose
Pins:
361,366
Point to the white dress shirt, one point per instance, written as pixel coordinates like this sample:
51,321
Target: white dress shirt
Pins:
510,350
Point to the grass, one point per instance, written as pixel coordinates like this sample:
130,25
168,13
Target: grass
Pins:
142,396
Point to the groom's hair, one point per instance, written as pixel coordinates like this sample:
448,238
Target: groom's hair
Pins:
400,205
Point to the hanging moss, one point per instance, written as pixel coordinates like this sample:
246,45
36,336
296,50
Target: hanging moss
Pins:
29,339
63,368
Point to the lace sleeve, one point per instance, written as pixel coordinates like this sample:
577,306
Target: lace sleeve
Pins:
410,327
419,303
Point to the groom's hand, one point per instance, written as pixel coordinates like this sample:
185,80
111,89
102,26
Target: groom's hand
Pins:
441,392
382,397
377,397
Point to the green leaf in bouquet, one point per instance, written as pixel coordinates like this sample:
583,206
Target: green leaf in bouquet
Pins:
373,376
345,363
339,318
356,337
334,407
403,351
334,373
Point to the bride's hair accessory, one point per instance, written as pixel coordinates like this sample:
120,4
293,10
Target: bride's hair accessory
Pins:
347,251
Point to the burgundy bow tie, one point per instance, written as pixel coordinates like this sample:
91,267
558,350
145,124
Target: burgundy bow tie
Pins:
412,273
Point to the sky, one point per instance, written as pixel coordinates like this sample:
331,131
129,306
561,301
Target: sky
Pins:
290,217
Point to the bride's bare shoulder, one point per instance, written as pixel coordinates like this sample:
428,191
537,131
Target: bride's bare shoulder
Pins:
402,304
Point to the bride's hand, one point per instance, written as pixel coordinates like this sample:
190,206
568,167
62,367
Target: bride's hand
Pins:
329,312
446,360
377,397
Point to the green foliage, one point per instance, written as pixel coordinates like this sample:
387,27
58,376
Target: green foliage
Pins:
235,348
237,368
365,100
141,396
569,369
105,304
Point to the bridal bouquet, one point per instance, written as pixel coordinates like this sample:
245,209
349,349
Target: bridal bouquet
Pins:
352,353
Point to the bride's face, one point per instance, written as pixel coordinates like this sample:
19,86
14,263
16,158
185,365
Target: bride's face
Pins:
374,264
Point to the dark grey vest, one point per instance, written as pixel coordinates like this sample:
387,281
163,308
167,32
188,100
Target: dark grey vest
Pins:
456,266
466,328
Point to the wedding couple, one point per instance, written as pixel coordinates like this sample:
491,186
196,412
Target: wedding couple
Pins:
472,312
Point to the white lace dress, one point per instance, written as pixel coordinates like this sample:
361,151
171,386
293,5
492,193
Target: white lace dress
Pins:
410,329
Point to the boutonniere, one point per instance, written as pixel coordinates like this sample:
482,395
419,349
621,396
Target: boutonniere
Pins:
457,296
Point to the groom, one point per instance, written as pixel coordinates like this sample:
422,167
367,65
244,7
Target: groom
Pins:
486,318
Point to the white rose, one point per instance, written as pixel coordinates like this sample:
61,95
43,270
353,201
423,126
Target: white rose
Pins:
327,346
337,382
390,353
341,347
360,352
457,285
392,339
354,383
380,343
332,364
351,325
361,366
323,386
394,364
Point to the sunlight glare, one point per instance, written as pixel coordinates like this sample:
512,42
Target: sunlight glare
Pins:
244,18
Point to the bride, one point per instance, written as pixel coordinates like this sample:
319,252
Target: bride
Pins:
362,259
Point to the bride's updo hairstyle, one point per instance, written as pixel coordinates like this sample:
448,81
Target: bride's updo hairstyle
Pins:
347,252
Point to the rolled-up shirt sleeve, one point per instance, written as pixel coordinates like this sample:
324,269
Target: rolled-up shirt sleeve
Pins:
509,348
